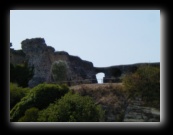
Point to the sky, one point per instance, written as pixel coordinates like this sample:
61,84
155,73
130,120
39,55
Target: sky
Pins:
103,37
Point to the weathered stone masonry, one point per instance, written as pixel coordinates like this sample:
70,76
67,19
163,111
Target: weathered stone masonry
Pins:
116,72
40,56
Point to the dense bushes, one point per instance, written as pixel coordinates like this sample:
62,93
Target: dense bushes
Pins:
72,108
110,96
55,103
16,93
145,82
47,103
20,74
40,97
31,115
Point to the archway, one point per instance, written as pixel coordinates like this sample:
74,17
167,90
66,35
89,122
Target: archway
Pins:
100,77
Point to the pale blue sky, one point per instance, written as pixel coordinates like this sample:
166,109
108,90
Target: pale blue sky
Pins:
104,37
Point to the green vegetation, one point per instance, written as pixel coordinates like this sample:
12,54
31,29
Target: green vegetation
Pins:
16,94
31,115
145,82
59,71
110,96
56,103
20,74
47,103
72,108
40,97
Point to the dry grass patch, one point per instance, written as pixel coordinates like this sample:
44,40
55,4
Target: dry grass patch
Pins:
111,96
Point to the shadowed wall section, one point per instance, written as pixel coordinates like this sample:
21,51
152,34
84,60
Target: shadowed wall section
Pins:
115,73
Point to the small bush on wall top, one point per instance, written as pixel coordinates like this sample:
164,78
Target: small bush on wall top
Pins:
59,71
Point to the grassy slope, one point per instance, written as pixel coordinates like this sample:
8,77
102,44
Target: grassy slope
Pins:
110,95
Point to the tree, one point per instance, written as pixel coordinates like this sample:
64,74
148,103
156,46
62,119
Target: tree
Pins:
72,108
145,82
59,71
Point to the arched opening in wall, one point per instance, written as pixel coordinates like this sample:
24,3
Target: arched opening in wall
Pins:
100,77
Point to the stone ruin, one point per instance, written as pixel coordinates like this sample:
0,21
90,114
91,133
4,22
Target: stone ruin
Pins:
40,56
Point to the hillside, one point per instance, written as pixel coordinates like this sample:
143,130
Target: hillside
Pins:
128,93
109,95
95,86
113,99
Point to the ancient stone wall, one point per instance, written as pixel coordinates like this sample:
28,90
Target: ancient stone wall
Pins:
40,56
115,73
17,57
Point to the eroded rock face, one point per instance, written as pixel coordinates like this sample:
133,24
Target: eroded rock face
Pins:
136,112
40,56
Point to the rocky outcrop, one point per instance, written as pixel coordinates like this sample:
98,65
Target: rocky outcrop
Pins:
136,112
40,57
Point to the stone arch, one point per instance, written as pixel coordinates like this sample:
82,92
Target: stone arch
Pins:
112,74
100,76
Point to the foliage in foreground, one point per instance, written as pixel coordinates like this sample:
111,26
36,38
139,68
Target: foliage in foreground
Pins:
145,82
40,97
31,115
72,108
16,94
110,96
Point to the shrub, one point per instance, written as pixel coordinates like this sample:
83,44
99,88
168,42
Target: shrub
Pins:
40,97
145,82
59,71
72,108
16,94
31,115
